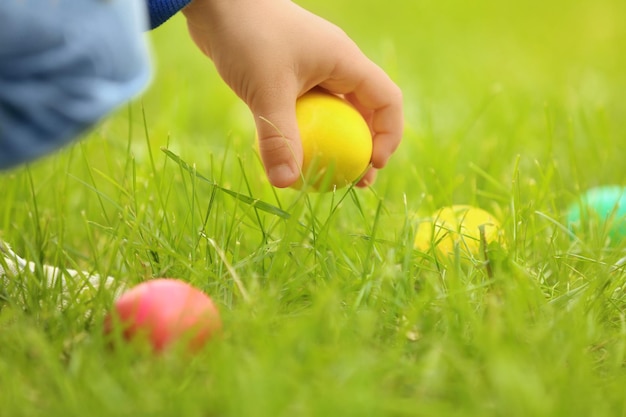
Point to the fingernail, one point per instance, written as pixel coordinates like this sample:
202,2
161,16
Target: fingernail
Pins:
282,175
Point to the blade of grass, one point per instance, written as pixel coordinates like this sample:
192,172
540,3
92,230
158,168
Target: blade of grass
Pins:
253,202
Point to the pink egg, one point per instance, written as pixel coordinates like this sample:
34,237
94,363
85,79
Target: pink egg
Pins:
165,311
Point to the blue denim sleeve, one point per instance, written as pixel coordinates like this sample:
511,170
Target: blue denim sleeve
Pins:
161,10
65,64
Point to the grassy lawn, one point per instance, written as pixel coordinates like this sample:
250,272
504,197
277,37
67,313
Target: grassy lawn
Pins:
328,310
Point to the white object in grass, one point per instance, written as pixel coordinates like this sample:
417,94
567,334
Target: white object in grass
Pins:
11,265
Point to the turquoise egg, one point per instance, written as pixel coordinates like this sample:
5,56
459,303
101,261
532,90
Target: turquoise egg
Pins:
602,208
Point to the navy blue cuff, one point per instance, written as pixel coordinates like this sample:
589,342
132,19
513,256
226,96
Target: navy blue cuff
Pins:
161,10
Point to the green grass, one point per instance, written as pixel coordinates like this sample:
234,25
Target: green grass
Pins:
513,107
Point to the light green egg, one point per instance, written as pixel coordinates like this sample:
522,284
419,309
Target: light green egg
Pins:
603,208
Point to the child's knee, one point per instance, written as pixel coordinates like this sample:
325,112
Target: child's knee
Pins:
63,66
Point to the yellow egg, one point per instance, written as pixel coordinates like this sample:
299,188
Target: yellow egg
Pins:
458,228
336,141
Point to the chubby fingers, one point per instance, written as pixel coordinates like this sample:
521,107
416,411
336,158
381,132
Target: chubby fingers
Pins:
368,179
274,112
378,98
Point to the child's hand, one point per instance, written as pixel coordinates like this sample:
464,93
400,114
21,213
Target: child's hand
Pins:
272,51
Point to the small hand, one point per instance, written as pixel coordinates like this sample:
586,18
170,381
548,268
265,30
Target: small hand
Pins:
270,52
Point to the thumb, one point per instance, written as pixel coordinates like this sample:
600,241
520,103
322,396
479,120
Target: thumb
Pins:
279,138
